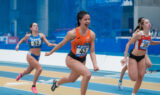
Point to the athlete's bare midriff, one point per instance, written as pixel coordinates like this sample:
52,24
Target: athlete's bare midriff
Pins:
138,52
35,51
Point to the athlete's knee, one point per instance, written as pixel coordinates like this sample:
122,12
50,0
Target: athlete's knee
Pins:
133,77
39,69
141,75
88,75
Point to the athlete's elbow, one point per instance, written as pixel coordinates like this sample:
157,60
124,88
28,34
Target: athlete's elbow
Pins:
152,43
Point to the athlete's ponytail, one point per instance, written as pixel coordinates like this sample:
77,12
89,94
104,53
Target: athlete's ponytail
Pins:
30,27
140,21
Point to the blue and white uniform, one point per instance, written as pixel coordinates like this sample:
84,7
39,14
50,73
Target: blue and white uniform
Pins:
35,42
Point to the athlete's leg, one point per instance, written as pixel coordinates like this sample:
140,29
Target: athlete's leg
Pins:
141,72
71,78
80,68
121,77
132,69
123,72
34,64
28,70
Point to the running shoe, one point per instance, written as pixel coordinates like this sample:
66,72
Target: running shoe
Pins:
19,76
54,85
34,90
120,85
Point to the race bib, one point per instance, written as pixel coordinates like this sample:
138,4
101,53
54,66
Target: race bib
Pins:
82,50
36,42
144,45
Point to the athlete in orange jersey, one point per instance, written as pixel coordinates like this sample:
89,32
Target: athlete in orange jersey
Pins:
80,45
82,39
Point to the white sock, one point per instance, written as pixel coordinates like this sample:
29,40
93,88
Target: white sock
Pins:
133,94
57,83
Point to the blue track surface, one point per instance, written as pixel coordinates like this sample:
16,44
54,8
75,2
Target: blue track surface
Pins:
11,91
155,78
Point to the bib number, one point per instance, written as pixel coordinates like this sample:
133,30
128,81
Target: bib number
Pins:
144,45
36,42
82,50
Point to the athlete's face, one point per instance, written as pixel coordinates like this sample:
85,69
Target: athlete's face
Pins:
85,20
34,27
146,25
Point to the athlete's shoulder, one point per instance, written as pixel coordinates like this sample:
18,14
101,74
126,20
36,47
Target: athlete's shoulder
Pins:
92,34
27,35
71,32
141,32
41,35
137,35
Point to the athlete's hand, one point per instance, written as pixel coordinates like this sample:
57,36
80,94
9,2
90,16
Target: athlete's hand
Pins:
17,47
124,61
47,54
96,68
148,64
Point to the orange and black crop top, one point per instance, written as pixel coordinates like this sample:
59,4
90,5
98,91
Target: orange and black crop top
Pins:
80,45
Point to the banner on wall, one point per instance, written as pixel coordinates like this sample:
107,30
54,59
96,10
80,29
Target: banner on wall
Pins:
12,40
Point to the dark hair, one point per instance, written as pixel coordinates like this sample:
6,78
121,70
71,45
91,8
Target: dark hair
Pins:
80,16
136,28
139,21
30,27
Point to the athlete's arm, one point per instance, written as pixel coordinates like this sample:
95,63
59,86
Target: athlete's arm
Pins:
46,41
131,41
22,40
155,42
92,51
70,35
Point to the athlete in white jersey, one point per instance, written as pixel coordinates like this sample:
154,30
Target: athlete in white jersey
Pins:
136,64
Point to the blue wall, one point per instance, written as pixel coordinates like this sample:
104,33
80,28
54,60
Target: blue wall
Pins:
105,16
106,22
